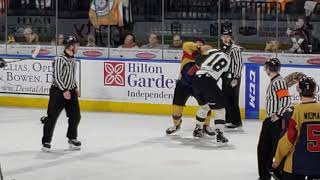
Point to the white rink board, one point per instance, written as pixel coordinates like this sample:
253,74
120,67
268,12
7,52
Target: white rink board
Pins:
135,53
142,82
32,77
285,58
150,54
89,52
2,48
144,75
51,51
29,49
129,81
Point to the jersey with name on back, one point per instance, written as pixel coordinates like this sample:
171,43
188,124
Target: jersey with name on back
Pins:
215,64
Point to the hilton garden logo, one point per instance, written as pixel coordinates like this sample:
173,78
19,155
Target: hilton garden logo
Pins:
114,74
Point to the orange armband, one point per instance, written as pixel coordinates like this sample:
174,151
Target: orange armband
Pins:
282,93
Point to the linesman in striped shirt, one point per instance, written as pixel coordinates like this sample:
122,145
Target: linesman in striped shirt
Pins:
277,102
231,81
63,95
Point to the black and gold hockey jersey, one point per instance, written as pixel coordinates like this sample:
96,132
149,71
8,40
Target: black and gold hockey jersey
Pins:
300,145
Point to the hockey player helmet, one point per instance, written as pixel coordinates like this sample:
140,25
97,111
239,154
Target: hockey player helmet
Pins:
307,86
273,65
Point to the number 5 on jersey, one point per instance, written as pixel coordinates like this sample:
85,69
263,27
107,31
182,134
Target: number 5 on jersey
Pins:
313,137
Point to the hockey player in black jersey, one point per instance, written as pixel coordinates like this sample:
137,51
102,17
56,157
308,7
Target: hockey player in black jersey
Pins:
207,91
298,147
184,90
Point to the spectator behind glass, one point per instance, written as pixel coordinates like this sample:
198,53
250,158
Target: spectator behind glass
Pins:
153,42
2,7
11,39
59,42
300,36
30,36
176,42
129,42
272,46
314,44
91,42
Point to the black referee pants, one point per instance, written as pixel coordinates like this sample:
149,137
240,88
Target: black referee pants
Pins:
268,141
231,95
56,104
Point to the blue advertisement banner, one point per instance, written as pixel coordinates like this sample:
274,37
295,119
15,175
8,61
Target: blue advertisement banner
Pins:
252,91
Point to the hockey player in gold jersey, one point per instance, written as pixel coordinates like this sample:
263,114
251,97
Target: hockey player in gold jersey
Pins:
183,89
299,147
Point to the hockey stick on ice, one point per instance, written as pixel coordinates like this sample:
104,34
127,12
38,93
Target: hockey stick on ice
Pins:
34,54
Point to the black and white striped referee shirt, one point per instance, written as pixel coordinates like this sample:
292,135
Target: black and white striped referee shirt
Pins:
64,71
236,61
277,98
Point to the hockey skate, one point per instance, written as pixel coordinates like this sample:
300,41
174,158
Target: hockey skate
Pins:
208,130
198,131
202,131
220,137
74,144
233,128
173,130
46,147
274,175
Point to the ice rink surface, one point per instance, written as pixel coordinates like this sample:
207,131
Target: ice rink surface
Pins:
122,147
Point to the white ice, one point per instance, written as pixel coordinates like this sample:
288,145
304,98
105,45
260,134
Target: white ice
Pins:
122,147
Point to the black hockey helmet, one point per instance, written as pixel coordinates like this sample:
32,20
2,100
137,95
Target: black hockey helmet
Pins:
226,28
69,40
226,31
307,86
273,65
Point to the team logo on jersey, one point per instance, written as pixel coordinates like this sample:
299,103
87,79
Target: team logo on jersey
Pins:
114,74
100,6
